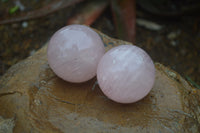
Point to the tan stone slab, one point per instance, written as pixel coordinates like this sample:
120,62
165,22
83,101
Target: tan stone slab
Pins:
38,101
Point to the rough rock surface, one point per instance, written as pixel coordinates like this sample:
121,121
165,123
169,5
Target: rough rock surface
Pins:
6,125
35,100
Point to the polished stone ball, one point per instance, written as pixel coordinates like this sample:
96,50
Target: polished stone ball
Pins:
74,52
126,74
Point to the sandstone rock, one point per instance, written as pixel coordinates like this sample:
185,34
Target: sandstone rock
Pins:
6,125
41,102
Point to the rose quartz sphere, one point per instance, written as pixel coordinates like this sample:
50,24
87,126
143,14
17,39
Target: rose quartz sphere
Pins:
74,52
126,74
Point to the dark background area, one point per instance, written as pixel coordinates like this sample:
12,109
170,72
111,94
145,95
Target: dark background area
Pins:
176,45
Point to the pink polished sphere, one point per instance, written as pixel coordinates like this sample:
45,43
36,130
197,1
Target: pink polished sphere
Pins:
74,52
126,74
